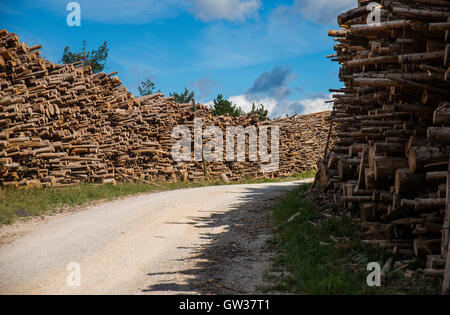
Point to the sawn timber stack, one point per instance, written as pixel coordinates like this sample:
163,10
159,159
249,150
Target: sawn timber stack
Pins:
390,161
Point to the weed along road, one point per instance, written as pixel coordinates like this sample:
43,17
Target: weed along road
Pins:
158,243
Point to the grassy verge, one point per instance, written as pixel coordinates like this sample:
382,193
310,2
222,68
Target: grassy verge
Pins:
326,256
16,203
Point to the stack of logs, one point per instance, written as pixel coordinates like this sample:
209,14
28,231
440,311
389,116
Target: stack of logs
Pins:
63,124
53,118
302,140
391,156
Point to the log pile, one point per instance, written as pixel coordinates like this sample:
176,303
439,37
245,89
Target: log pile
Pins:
53,118
391,156
302,140
63,124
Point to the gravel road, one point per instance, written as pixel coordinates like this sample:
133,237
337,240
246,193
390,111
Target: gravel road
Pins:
195,241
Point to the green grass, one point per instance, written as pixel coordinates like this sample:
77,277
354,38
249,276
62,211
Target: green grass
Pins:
317,264
15,203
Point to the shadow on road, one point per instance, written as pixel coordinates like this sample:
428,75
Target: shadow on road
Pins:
234,260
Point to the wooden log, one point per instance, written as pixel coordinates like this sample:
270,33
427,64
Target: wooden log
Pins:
429,204
378,27
420,13
442,115
441,135
438,273
390,148
446,239
370,61
436,176
407,183
418,57
426,247
442,26
369,178
386,167
418,157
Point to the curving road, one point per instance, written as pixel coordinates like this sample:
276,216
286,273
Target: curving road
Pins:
125,246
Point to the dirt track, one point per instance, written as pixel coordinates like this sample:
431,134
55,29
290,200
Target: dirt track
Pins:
202,240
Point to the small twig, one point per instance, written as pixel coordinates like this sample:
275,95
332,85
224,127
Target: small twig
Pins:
136,178
292,218
316,179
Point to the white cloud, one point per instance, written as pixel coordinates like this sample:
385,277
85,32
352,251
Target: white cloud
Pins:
281,108
232,10
278,105
315,105
246,102
209,103
312,104
273,37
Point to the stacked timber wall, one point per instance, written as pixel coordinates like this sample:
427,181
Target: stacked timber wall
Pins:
391,157
62,124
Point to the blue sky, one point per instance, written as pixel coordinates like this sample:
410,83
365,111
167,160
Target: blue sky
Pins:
262,51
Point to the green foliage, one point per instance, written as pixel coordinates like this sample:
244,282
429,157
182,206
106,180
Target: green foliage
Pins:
260,111
95,58
183,98
224,107
147,87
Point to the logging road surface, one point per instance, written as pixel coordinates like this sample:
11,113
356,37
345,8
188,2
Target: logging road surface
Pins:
130,245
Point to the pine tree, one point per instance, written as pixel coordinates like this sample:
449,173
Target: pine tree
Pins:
223,107
147,87
183,98
95,58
